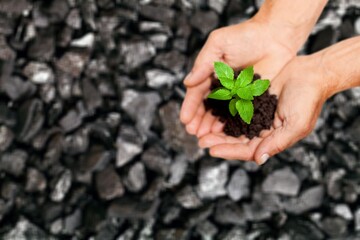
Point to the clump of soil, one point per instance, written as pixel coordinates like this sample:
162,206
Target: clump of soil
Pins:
264,111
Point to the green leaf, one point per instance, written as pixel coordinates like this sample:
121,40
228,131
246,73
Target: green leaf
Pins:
245,109
232,107
245,77
220,94
225,74
259,87
245,93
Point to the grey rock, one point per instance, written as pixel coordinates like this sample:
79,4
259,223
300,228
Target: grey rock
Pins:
35,181
256,211
334,226
300,229
6,53
239,185
132,208
136,53
72,222
172,214
357,25
154,190
73,19
157,159
91,95
149,26
17,89
343,210
129,144
199,215
25,230
207,230
31,120
55,11
333,183
9,190
188,198
309,199
14,162
77,142
96,159
127,235
135,179
172,234
86,41
157,78
205,21
39,73
282,181
6,138
70,121
159,40
313,140
177,170
357,219
235,233
173,61
88,10
47,92
108,184
229,212
42,48
354,130
163,14
7,25
73,62
175,134
62,186
14,8
218,5
141,108
212,180
337,153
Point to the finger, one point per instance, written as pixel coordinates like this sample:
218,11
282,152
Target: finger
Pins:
217,126
236,151
280,139
193,99
204,63
193,126
206,124
213,139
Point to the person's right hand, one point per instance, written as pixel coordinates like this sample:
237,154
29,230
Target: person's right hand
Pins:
253,42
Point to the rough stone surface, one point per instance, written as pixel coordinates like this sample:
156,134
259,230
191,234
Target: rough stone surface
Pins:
62,186
282,181
136,177
108,184
212,180
239,185
14,162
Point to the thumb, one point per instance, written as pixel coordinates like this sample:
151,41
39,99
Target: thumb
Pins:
279,140
203,66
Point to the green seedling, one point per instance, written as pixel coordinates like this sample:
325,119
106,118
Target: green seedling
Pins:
240,91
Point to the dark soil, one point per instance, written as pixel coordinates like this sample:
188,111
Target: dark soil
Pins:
264,110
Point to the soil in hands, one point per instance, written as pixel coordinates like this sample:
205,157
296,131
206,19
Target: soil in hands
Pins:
264,111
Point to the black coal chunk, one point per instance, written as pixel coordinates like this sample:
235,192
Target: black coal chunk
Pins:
136,53
163,14
31,120
135,179
108,184
132,208
205,21
42,48
14,162
157,159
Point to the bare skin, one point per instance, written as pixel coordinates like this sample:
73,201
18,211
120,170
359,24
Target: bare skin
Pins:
269,41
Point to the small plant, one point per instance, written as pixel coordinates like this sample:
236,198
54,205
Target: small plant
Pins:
240,91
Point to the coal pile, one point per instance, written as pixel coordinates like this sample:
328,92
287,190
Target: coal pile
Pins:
91,146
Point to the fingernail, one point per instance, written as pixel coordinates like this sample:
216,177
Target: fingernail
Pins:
186,81
264,158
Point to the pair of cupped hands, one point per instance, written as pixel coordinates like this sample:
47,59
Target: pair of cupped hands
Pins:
294,79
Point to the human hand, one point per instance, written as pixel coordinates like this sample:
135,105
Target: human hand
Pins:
253,42
301,93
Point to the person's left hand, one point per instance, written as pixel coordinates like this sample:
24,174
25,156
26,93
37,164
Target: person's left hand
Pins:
301,94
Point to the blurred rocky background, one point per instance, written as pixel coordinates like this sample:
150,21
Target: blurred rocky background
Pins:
91,146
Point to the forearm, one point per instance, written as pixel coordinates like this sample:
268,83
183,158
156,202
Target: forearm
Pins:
339,66
291,20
